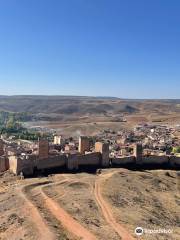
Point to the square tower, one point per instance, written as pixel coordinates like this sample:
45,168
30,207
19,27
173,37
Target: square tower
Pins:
103,148
58,140
43,147
1,147
138,151
84,144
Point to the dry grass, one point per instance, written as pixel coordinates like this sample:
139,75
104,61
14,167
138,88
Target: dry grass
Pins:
148,199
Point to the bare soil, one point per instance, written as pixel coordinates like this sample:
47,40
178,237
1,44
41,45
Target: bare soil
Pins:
148,199
82,204
88,206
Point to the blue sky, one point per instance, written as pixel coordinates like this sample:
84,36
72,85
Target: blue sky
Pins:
122,48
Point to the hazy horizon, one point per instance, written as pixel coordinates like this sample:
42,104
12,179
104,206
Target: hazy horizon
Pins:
84,96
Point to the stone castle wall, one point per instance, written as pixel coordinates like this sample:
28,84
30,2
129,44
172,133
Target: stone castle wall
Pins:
3,164
89,159
51,162
103,148
153,159
72,162
76,160
43,149
23,164
124,160
174,161
1,148
27,163
84,144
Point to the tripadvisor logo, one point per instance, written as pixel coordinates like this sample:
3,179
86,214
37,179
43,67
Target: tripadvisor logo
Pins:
139,231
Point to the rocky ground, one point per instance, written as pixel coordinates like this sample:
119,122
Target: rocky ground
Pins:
149,199
89,206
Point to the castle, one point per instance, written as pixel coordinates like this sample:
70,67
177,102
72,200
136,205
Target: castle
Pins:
42,159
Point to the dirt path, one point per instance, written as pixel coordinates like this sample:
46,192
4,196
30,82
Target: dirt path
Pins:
31,211
106,209
59,213
66,220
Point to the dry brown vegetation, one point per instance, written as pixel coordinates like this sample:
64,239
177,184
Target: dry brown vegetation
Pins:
73,116
149,199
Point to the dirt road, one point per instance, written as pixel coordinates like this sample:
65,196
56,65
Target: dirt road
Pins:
67,221
59,213
106,209
30,210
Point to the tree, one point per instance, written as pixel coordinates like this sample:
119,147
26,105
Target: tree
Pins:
10,123
176,149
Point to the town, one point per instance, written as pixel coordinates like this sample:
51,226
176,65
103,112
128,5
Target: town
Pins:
145,145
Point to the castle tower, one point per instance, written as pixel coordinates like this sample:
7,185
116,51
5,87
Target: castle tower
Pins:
1,147
103,148
84,144
58,140
43,147
138,152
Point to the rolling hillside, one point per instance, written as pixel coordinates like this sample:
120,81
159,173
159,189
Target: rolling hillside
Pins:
69,105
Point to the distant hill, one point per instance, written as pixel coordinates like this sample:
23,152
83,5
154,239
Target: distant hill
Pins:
74,105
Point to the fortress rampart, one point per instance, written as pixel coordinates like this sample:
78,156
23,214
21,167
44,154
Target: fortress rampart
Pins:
123,160
51,162
171,161
4,164
74,161
28,163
